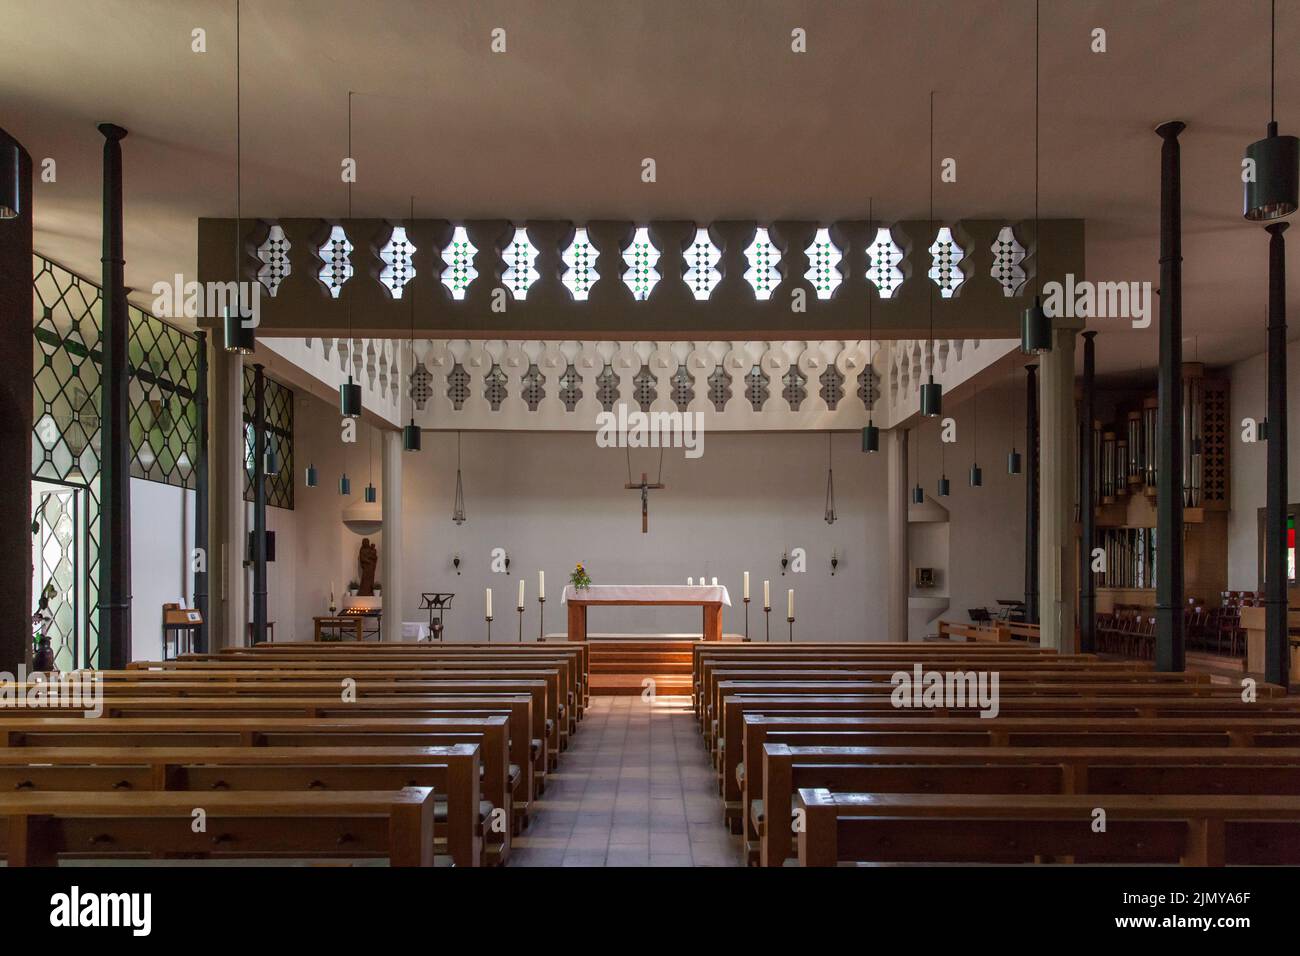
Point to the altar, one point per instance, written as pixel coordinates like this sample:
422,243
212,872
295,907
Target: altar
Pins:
710,598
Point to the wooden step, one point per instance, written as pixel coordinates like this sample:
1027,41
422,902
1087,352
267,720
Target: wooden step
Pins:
620,685
616,667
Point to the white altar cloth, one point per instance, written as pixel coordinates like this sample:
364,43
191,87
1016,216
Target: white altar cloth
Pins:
649,593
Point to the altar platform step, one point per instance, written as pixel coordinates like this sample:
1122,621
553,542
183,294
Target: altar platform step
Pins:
621,663
632,685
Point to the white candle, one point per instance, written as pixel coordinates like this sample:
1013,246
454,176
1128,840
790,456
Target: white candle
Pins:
746,585
789,603
715,582
520,605
767,596
541,585
690,582
488,599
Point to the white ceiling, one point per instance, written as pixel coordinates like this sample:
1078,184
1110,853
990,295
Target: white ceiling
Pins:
739,125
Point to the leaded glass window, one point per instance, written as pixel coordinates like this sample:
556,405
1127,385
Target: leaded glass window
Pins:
643,388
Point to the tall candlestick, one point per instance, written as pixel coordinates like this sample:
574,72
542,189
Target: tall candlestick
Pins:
767,596
488,600
789,603
520,605
746,595
541,585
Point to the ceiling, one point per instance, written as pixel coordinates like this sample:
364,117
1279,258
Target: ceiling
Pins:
739,126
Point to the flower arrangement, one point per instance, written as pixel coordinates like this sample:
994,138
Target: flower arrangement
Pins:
580,579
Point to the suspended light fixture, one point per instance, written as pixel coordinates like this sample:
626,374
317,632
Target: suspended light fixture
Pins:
313,476
1013,459
369,492
345,484
239,338
411,432
931,391
1035,323
272,459
1272,164
943,487
870,433
918,493
976,475
10,181
830,480
458,509
350,391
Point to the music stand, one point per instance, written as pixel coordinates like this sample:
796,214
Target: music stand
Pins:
435,602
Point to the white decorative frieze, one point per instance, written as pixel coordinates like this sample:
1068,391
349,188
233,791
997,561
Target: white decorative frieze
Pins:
763,257
336,261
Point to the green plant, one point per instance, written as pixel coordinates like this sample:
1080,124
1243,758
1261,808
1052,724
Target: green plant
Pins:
580,578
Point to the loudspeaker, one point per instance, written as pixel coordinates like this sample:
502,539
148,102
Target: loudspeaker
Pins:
270,546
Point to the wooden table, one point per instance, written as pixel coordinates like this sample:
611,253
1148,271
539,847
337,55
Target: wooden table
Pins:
710,597
1252,622
339,623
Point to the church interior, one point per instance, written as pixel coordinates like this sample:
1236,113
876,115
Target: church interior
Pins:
649,434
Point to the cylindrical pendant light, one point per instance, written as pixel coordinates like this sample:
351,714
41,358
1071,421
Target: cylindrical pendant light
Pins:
313,476
1272,163
870,438
350,398
272,461
944,486
918,495
411,437
345,485
238,337
1013,463
1035,324
10,162
976,477
1035,329
931,397
370,494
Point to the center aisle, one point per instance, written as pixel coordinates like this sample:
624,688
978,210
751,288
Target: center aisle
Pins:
635,789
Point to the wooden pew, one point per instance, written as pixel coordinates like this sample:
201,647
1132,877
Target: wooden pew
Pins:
451,772
1243,723
1097,770
973,632
488,733
395,824
1192,829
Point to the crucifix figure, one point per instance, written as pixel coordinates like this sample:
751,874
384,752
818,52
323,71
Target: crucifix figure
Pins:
645,488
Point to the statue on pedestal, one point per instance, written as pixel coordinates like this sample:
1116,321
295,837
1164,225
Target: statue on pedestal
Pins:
367,558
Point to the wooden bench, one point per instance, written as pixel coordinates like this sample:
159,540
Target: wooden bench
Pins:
1190,829
393,824
451,772
1097,770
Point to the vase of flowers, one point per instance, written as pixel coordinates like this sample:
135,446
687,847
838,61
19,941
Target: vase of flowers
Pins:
580,579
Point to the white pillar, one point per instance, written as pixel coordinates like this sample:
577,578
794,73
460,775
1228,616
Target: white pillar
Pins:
390,545
228,531
896,612
1058,550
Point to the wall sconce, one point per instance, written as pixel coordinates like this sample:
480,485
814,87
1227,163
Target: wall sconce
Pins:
785,562
507,563
455,563
835,562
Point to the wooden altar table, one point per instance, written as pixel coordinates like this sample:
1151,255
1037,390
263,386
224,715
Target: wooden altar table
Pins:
710,597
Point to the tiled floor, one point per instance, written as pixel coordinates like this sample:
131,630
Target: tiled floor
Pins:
634,789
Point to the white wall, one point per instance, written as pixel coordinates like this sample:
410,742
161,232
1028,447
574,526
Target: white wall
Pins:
162,533
1246,463
551,499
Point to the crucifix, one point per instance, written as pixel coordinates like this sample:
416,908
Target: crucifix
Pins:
645,488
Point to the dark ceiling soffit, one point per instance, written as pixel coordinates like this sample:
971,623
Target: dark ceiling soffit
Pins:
303,306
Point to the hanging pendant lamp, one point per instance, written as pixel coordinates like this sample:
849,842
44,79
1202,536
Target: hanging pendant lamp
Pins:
411,432
931,391
1035,323
350,396
313,476
1013,459
411,436
458,509
1272,166
976,475
829,516
870,433
238,337
10,180
345,484
369,492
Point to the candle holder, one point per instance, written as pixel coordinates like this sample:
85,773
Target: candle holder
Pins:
790,621
541,617
488,618
520,609
767,623
746,600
